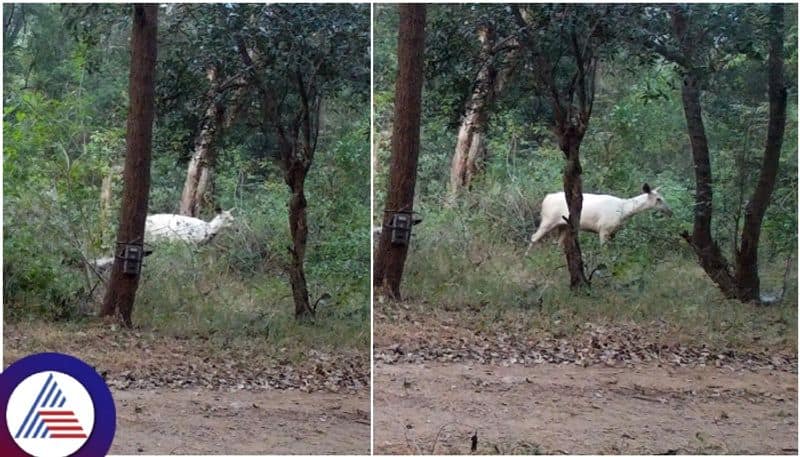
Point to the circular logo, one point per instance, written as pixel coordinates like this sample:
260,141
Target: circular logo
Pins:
55,406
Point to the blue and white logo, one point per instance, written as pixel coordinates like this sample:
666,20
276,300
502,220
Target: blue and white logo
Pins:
58,415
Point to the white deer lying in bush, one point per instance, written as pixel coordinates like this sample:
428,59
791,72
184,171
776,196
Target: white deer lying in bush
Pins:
174,227
602,214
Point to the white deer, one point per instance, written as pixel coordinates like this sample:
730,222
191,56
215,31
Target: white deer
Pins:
602,214
174,227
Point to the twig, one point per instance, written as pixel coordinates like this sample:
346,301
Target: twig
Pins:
652,400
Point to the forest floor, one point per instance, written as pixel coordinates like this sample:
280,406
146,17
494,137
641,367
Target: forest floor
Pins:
439,379
195,396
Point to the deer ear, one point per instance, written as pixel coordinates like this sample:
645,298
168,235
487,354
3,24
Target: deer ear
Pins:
646,188
217,209
657,189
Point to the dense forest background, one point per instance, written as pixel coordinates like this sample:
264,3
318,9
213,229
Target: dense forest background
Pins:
467,255
65,106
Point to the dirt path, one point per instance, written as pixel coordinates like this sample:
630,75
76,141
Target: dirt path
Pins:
200,421
420,408
195,396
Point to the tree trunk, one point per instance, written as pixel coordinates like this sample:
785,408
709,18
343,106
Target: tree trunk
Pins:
122,287
747,279
197,187
13,22
471,152
701,239
298,226
390,258
570,142
471,143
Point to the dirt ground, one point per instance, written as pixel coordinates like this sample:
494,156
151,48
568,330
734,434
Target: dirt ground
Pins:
423,408
201,421
179,396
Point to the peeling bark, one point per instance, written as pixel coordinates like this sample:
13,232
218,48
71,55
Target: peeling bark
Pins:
197,187
471,152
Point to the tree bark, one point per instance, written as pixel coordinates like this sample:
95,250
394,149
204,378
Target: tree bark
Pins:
570,138
743,283
136,174
471,143
747,279
197,187
390,258
297,143
13,22
298,226
701,240
471,151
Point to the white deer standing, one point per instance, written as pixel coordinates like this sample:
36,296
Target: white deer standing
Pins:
174,227
602,214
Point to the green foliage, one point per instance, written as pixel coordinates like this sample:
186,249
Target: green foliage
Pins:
470,254
64,132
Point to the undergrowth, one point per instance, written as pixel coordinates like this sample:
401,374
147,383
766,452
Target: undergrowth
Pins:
461,263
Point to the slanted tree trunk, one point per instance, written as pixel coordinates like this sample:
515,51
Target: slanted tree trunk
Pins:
197,187
471,143
570,142
707,250
390,258
471,152
747,279
740,281
701,239
136,174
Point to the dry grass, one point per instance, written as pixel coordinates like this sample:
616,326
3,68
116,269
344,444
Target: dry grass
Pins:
471,284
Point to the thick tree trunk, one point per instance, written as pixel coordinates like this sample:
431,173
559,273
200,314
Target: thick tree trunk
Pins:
390,258
747,279
570,142
197,187
298,226
122,288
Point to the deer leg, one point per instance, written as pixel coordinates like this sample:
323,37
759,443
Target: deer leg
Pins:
540,232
